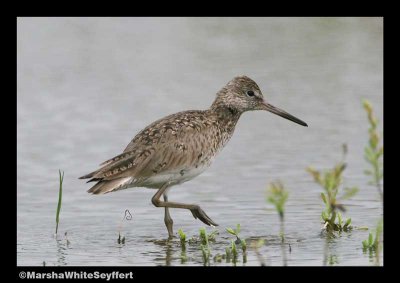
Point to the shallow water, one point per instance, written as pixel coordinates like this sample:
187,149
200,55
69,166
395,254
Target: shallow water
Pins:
87,86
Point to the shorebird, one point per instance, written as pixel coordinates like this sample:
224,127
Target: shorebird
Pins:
179,147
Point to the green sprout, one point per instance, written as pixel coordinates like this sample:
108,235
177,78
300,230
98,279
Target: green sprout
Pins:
218,258
373,152
183,257
333,260
244,250
205,248
206,254
212,236
228,254
277,195
373,244
234,252
242,242
203,236
61,176
330,181
243,245
182,237
234,232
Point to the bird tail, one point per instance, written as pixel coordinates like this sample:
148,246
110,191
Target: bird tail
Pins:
90,175
107,186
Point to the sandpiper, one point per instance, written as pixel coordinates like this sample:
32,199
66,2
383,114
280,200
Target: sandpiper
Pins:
179,147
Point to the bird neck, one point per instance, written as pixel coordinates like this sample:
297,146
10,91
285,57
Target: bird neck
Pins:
227,117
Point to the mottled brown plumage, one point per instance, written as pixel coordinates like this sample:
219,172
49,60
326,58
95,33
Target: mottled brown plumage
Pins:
181,146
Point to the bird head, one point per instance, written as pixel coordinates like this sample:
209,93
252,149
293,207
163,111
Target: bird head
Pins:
242,94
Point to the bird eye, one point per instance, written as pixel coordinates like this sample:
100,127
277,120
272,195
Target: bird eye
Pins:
250,93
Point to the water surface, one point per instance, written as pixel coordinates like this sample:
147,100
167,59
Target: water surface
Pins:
86,86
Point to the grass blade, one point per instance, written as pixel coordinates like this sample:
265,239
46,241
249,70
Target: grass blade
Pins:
59,199
231,231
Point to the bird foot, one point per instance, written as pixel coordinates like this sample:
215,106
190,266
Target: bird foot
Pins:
171,237
202,216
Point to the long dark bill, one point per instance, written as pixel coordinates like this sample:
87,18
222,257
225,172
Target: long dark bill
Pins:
283,114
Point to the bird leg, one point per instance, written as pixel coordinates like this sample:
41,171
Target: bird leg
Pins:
167,218
195,209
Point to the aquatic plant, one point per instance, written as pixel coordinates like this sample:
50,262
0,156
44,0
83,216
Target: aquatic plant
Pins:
244,250
218,257
331,180
194,240
333,260
234,252
242,243
206,254
373,244
373,152
228,254
61,179
278,195
340,225
212,236
183,257
205,247
182,238
203,236
235,232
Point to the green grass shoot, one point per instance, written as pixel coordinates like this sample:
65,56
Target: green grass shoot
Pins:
373,152
182,237
234,232
212,236
205,247
234,251
277,195
331,181
373,244
218,258
59,199
228,254
203,236
243,245
244,250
